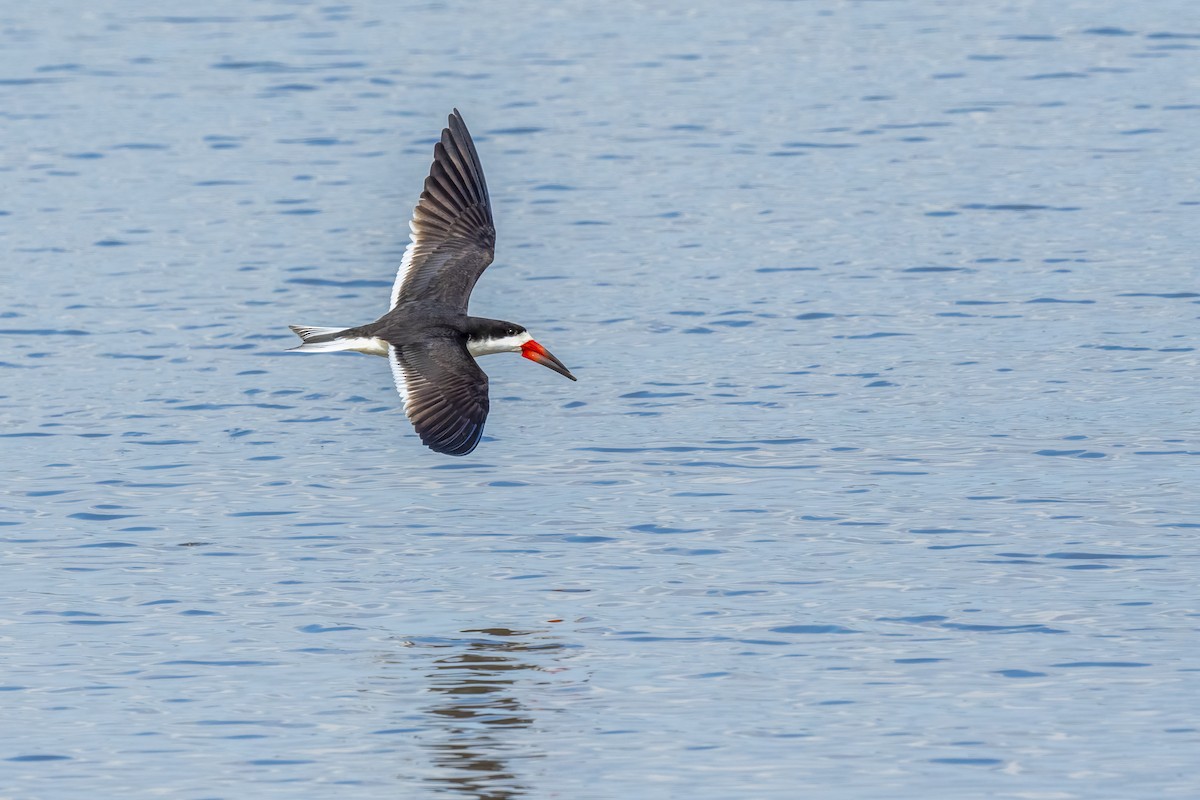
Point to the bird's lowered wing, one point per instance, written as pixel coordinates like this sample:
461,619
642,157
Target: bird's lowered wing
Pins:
445,393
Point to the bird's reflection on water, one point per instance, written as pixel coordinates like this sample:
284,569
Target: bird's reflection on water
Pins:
479,683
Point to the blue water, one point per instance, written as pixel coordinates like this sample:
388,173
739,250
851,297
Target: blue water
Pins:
880,476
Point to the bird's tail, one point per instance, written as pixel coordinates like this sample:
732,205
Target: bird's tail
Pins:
329,340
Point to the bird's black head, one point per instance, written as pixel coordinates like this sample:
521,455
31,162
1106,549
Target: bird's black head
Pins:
511,329
479,330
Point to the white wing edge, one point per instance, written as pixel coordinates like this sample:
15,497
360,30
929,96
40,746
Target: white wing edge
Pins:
406,263
398,376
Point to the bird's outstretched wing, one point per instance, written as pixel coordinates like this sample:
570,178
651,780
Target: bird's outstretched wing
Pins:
453,237
445,393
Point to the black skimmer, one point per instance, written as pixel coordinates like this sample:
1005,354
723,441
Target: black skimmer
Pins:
427,335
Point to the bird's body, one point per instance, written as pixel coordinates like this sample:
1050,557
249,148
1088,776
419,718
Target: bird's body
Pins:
427,335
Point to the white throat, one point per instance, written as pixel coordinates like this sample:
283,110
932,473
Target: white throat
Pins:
505,344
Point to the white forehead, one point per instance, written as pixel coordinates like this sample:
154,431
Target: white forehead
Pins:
503,344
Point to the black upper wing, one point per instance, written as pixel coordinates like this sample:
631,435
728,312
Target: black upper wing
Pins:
445,393
453,237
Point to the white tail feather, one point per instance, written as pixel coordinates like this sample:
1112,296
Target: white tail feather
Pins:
329,342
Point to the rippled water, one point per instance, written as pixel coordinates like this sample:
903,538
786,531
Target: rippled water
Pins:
879,479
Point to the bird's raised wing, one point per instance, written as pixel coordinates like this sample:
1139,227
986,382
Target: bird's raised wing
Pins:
453,238
445,393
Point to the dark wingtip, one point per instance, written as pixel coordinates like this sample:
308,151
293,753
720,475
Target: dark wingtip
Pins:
453,446
456,126
458,452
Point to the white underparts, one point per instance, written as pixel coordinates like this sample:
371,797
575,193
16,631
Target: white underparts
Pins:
506,344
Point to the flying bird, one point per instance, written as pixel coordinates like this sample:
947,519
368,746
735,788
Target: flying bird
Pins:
427,336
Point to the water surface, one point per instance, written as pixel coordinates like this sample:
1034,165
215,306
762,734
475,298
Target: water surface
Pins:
879,479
